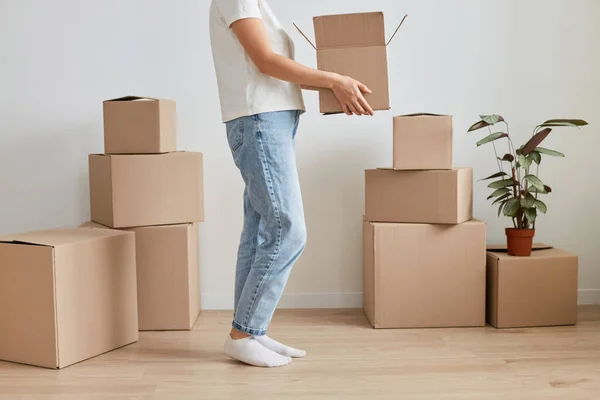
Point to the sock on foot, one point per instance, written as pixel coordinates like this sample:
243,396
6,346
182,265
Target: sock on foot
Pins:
280,348
251,352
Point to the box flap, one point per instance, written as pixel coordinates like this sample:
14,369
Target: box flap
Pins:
58,237
349,30
422,114
133,98
502,247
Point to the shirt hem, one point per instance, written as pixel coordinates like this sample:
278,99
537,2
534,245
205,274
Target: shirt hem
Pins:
235,115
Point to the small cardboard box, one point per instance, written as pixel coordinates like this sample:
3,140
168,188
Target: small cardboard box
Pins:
151,189
139,125
434,197
353,45
422,141
424,276
540,290
66,295
168,276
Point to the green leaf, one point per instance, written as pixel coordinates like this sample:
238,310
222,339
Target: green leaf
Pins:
507,157
491,119
502,198
536,157
498,192
568,122
524,161
512,207
500,207
530,214
532,189
549,152
528,201
491,138
478,125
540,205
502,183
535,181
496,175
535,141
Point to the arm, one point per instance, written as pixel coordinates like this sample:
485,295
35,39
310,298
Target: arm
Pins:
254,39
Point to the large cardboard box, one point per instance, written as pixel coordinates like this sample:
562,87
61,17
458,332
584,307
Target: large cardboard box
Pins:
66,295
168,275
424,276
422,141
138,125
434,197
151,189
540,290
353,45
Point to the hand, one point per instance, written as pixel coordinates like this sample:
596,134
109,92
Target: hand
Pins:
349,93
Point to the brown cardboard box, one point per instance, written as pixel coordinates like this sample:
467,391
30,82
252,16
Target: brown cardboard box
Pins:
138,125
151,189
353,45
434,197
66,295
422,141
424,276
540,290
168,285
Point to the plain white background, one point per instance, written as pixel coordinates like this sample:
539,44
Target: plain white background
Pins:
527,60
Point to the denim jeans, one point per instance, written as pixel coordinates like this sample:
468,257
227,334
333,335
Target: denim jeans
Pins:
274,232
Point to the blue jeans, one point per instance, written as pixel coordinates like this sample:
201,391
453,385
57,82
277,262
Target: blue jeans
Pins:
274,232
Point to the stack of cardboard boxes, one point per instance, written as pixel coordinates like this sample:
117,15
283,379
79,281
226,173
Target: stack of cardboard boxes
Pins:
424,255
142,184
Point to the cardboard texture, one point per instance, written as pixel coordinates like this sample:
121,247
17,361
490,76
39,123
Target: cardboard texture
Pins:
168,275
141,190
435,197
540,290
66,295
139,125
424,276
422,142
353,45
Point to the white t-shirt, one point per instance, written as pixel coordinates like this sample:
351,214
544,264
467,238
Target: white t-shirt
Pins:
243,89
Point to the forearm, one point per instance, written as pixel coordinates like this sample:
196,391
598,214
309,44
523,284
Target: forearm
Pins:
286,69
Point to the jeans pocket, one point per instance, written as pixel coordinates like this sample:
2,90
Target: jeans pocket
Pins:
235,135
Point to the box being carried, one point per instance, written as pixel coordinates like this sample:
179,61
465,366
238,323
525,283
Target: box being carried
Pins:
353,45
66,295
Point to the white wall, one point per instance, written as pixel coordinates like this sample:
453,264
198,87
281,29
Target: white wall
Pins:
528,60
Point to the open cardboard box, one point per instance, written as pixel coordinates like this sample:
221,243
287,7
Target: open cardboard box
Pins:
353,45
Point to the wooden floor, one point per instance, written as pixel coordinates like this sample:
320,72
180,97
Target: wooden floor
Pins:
347,360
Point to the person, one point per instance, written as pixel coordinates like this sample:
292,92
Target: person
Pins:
261,102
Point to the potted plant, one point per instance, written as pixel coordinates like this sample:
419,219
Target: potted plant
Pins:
517,187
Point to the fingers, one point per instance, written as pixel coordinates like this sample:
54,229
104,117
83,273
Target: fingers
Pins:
354,110
363,88
359,108
347,110
365,105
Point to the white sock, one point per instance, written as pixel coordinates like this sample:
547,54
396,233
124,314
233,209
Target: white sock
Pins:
251,352
280,348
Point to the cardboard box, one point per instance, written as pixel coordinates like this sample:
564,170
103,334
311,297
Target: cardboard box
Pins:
353,45
66,295
424,276
422,141
540,290
434,197
139,125
168,276
152,189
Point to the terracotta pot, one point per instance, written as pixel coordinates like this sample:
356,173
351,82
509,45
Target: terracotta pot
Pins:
519,241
